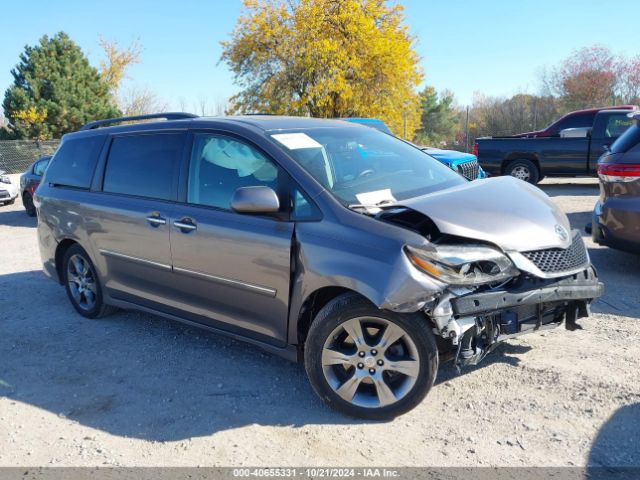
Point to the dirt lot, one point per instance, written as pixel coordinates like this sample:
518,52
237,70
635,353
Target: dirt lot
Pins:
133,389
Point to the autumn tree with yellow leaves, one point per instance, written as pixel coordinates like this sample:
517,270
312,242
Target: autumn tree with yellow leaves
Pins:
325,58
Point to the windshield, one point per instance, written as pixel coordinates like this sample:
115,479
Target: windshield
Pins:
364,166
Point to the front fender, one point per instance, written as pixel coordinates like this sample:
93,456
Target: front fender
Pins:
379,271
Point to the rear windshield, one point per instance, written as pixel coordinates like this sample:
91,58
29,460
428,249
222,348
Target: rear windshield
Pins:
629,139
74,162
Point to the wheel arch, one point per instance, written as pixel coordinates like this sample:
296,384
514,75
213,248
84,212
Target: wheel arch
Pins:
312,304
61,250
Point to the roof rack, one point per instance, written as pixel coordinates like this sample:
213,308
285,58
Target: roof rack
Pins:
166,116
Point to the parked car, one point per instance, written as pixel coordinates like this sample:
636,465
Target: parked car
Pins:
463,163
574,153
577,119
616,216
325,242
8,190
30,180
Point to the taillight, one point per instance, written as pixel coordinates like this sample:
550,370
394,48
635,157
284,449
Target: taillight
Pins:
474,149
619,172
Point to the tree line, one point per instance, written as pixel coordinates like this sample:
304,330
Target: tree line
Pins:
589,77
321,58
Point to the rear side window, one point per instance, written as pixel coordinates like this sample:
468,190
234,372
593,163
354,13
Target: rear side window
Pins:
629,139
143,165
40,167
74,162
581,120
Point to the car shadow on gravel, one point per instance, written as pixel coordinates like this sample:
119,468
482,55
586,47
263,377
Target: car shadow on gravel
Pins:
616,444
615,268
619,272
16,218
503,353
138,375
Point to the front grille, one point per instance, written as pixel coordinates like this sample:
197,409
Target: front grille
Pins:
555,260
469,169
4,194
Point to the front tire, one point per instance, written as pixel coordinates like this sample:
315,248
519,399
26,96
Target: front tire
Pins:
370,363
82,284
523,169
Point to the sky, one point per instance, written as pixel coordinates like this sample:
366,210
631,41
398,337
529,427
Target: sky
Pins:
496,47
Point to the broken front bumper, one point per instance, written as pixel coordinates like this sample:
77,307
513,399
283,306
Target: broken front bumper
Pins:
581,287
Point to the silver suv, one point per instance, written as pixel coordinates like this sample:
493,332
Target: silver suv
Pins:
320,240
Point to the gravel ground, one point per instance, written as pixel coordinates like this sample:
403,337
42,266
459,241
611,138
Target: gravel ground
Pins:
136,390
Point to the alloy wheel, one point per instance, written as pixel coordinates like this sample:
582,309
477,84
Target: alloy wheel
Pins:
82,283
370,362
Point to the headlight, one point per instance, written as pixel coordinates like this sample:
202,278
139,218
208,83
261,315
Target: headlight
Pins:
463,264
4,179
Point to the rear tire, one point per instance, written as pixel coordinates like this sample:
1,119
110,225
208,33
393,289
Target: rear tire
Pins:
523,169
27,201
82,284
370,363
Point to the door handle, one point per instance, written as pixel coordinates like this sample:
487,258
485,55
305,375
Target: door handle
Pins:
185,225
156,220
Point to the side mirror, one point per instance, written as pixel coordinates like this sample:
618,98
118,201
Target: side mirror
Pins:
582,132
258,199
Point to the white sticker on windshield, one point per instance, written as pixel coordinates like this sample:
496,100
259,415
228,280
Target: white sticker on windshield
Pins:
371,200
296,141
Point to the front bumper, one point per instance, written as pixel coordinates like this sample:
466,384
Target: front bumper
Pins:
583,286
484,319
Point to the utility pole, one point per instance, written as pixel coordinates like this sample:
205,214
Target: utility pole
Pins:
404,118
466,135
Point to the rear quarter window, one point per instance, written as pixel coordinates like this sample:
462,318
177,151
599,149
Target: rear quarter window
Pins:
629,139
74,162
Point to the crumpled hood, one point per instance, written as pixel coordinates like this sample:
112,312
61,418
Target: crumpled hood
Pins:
504,211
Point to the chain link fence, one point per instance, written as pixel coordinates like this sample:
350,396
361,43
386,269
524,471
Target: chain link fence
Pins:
17,155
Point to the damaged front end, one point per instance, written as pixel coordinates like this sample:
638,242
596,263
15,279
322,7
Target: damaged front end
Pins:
476,321
492,294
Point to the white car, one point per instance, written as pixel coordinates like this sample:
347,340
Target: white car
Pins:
8,191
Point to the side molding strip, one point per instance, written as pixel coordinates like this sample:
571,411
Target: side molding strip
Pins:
109,253
270,292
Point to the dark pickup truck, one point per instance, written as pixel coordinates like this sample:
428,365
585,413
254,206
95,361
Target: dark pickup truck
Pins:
573,152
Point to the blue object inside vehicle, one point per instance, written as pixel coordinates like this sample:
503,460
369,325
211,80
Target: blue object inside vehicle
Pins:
465,164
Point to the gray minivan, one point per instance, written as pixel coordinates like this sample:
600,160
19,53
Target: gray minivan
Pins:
320,240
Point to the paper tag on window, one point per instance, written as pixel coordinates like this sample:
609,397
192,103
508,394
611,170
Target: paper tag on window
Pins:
377,197
296,141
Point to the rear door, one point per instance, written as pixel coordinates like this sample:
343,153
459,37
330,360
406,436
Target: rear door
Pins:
231,270
606,130
132,215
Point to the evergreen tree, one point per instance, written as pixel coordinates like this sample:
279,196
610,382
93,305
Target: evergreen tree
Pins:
55,91
438,117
